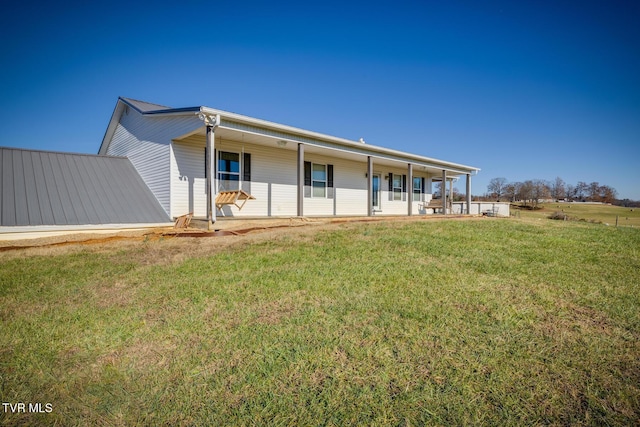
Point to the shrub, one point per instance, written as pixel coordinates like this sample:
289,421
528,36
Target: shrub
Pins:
559,216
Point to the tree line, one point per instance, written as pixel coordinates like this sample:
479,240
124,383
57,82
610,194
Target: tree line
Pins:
534,191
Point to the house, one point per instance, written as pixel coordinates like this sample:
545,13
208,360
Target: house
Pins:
189,156
44,191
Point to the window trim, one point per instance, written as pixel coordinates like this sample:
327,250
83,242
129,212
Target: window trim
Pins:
417,191
394,188
309,181
314,181
220,172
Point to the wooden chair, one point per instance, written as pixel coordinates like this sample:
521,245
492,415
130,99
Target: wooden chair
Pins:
183,221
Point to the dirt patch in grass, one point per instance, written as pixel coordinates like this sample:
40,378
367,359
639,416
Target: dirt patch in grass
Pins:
274,312
117,294
162,247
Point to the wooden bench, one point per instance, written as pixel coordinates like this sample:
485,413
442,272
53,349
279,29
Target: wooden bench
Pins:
435,204
232,198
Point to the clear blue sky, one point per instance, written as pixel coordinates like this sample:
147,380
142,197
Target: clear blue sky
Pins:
522,90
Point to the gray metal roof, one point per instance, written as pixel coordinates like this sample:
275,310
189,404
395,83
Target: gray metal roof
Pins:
49,188
145,107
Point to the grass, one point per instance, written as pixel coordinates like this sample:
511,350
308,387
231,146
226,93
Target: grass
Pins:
605,214
482,322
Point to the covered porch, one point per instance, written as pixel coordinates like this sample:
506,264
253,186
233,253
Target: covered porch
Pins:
291,172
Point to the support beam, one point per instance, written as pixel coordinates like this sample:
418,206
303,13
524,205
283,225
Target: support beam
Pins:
211,122
451,193
468,194
209,162
443,191
410,189
300,201
370,186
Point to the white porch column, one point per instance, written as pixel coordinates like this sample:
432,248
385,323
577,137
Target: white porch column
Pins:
211,122
300,201
410,189
468,194
370,186
451,193
211,212
443,192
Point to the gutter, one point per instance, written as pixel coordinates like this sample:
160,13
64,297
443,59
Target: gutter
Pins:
426,161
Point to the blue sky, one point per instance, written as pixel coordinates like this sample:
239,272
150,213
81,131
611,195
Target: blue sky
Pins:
522,90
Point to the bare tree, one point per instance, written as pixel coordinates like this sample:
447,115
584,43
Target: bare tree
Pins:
437,187
497,187
570,192
593,191
581,190
457,195
531,192
607,194
510,191
540,191
558,189
525,192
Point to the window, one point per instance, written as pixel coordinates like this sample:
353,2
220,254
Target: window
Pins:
229,170
397,187
319,180
417,189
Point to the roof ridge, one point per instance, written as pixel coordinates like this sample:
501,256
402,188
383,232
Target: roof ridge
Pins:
137,103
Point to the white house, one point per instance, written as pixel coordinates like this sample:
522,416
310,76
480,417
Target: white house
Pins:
182,152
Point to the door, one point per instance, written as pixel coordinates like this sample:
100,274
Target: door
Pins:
376,192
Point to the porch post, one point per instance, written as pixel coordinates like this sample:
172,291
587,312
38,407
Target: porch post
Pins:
451,193
209,162
443,191
300,201
369,186
468,194
410,189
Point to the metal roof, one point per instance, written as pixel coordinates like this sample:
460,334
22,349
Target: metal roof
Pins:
284,132
145,107
50,188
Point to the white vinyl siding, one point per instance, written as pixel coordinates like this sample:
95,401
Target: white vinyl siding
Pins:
273,181
146,142
349,188
395,203
188,183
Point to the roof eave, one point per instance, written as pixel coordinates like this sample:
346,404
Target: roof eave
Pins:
459,168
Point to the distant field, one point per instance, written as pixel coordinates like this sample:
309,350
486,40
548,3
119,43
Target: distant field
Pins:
478,322
605,214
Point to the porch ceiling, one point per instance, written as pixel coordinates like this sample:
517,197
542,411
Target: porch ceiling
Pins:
280,143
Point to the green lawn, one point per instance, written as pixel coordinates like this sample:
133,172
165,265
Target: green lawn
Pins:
605,214
475,322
